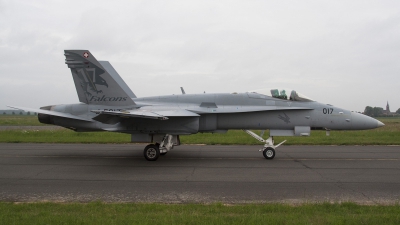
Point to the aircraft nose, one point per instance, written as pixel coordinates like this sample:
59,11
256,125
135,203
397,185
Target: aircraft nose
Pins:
363,122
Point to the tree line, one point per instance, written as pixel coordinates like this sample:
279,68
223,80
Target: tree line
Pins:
378,111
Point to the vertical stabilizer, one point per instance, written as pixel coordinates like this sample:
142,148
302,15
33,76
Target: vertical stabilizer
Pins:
94,83
110,69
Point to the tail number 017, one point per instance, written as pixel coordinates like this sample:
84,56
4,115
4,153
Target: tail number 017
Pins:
327,110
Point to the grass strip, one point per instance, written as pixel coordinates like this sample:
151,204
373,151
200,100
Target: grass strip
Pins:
16,120
138,213
232,137
61,136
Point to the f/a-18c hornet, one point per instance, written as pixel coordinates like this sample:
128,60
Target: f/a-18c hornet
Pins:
107,104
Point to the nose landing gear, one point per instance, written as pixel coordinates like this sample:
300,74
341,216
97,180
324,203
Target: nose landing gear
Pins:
269,147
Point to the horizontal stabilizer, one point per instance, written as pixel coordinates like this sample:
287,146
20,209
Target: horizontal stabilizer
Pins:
52,113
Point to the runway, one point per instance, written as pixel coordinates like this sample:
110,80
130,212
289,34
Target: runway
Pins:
199,174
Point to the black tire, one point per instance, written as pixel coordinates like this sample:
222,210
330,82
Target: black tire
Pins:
151,152
269,153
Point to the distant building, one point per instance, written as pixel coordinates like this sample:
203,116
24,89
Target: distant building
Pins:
387,110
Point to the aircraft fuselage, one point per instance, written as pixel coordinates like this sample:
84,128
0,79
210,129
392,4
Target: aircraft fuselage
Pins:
212,118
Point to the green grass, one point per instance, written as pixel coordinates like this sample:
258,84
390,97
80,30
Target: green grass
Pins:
17,120
387,135
136,213
234,137
61,136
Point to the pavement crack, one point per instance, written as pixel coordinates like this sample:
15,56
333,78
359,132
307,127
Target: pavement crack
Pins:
301,163
191,174
337,183
313,170
43,171
362,193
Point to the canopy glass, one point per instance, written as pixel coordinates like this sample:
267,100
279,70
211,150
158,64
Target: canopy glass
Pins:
283,93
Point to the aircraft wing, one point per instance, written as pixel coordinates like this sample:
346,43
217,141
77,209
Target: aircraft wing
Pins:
52,113
158,114
242,109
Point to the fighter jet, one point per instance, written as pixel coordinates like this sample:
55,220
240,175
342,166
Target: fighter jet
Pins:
107,104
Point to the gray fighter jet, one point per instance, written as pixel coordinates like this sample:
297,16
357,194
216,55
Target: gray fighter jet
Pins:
107,104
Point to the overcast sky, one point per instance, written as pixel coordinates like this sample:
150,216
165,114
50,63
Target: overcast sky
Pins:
346,53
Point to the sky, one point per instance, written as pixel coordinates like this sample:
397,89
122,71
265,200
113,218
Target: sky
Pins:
344,53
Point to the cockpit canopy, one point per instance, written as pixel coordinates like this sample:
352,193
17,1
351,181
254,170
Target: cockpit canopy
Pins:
283,93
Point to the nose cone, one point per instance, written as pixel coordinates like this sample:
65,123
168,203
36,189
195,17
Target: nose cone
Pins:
363,122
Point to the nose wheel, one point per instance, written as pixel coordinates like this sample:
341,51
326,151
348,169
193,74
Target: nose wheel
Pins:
269,153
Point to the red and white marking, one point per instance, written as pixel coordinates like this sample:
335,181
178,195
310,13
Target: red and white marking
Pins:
86,54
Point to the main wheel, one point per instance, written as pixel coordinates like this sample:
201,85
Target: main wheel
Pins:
269,153
151,152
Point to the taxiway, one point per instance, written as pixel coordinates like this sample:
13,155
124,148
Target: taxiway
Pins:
199,173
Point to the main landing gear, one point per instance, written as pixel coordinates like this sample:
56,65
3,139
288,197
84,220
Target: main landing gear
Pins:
269,147
153,151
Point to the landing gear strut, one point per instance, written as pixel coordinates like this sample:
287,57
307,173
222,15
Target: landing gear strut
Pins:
153,151
269,147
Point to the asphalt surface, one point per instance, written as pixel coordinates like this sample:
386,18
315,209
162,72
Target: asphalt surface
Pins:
199,174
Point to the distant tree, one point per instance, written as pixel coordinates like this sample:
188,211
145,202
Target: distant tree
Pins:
28,113
368,111
13,113
20,113
377,111
398,111
35,114
4,113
